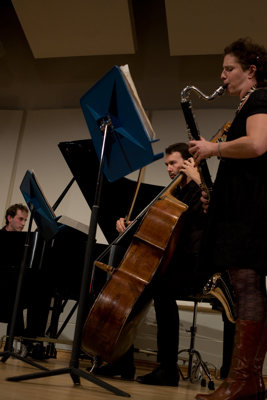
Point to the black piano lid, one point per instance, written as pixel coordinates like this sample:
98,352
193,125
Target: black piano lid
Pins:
115,197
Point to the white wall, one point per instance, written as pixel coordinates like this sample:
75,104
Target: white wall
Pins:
10,125
29,141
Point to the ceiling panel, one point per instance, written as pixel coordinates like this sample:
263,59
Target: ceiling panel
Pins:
202,27
67,28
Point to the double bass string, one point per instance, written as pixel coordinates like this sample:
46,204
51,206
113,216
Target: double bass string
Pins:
138,218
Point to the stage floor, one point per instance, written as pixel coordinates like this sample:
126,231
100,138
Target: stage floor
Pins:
62,386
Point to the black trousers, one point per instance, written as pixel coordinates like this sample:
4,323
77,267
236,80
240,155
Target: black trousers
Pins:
35,297
180,281
167,316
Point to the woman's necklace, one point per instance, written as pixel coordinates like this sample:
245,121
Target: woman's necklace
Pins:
245,98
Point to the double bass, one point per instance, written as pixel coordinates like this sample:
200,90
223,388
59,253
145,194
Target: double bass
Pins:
125,299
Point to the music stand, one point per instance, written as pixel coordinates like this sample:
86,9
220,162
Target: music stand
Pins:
44,215
106,125
114,98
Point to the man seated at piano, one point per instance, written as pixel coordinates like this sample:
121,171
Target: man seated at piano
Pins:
177,282
34,299
15,219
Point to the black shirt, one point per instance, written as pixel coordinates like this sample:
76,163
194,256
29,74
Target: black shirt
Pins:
194,219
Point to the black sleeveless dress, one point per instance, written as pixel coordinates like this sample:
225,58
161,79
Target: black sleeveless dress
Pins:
236,230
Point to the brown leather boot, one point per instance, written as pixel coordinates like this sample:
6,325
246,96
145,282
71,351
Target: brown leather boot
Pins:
259,360
240,383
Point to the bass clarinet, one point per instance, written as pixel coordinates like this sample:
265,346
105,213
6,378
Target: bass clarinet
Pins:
193,132
215,286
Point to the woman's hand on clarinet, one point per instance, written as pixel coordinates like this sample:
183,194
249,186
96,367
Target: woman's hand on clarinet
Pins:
120,225
201,149
205,201
188,167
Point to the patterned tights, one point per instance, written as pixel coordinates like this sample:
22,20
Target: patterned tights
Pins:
249,288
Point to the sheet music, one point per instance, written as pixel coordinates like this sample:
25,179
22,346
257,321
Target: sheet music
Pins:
131,86
74,224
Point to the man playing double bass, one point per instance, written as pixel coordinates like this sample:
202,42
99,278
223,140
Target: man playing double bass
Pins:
178,281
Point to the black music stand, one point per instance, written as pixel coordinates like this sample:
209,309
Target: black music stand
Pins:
107,130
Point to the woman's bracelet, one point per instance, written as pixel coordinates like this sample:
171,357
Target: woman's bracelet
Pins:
219,153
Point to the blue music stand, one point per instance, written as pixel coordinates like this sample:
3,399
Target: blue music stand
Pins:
128,144
43,215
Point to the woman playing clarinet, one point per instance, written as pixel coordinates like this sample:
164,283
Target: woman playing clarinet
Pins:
235,237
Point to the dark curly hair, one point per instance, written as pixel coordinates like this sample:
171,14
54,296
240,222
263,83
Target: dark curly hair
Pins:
179,147
12,211
247,54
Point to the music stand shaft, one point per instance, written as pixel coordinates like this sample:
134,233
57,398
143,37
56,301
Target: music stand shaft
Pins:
88,262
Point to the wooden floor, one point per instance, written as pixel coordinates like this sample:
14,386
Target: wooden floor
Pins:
62,386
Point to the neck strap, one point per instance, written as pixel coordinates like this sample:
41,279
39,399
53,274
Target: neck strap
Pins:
245,97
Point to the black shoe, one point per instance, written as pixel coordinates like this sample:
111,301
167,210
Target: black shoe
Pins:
126,372
36,351
28,344
160,377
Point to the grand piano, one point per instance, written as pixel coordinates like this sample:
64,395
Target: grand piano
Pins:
55,267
